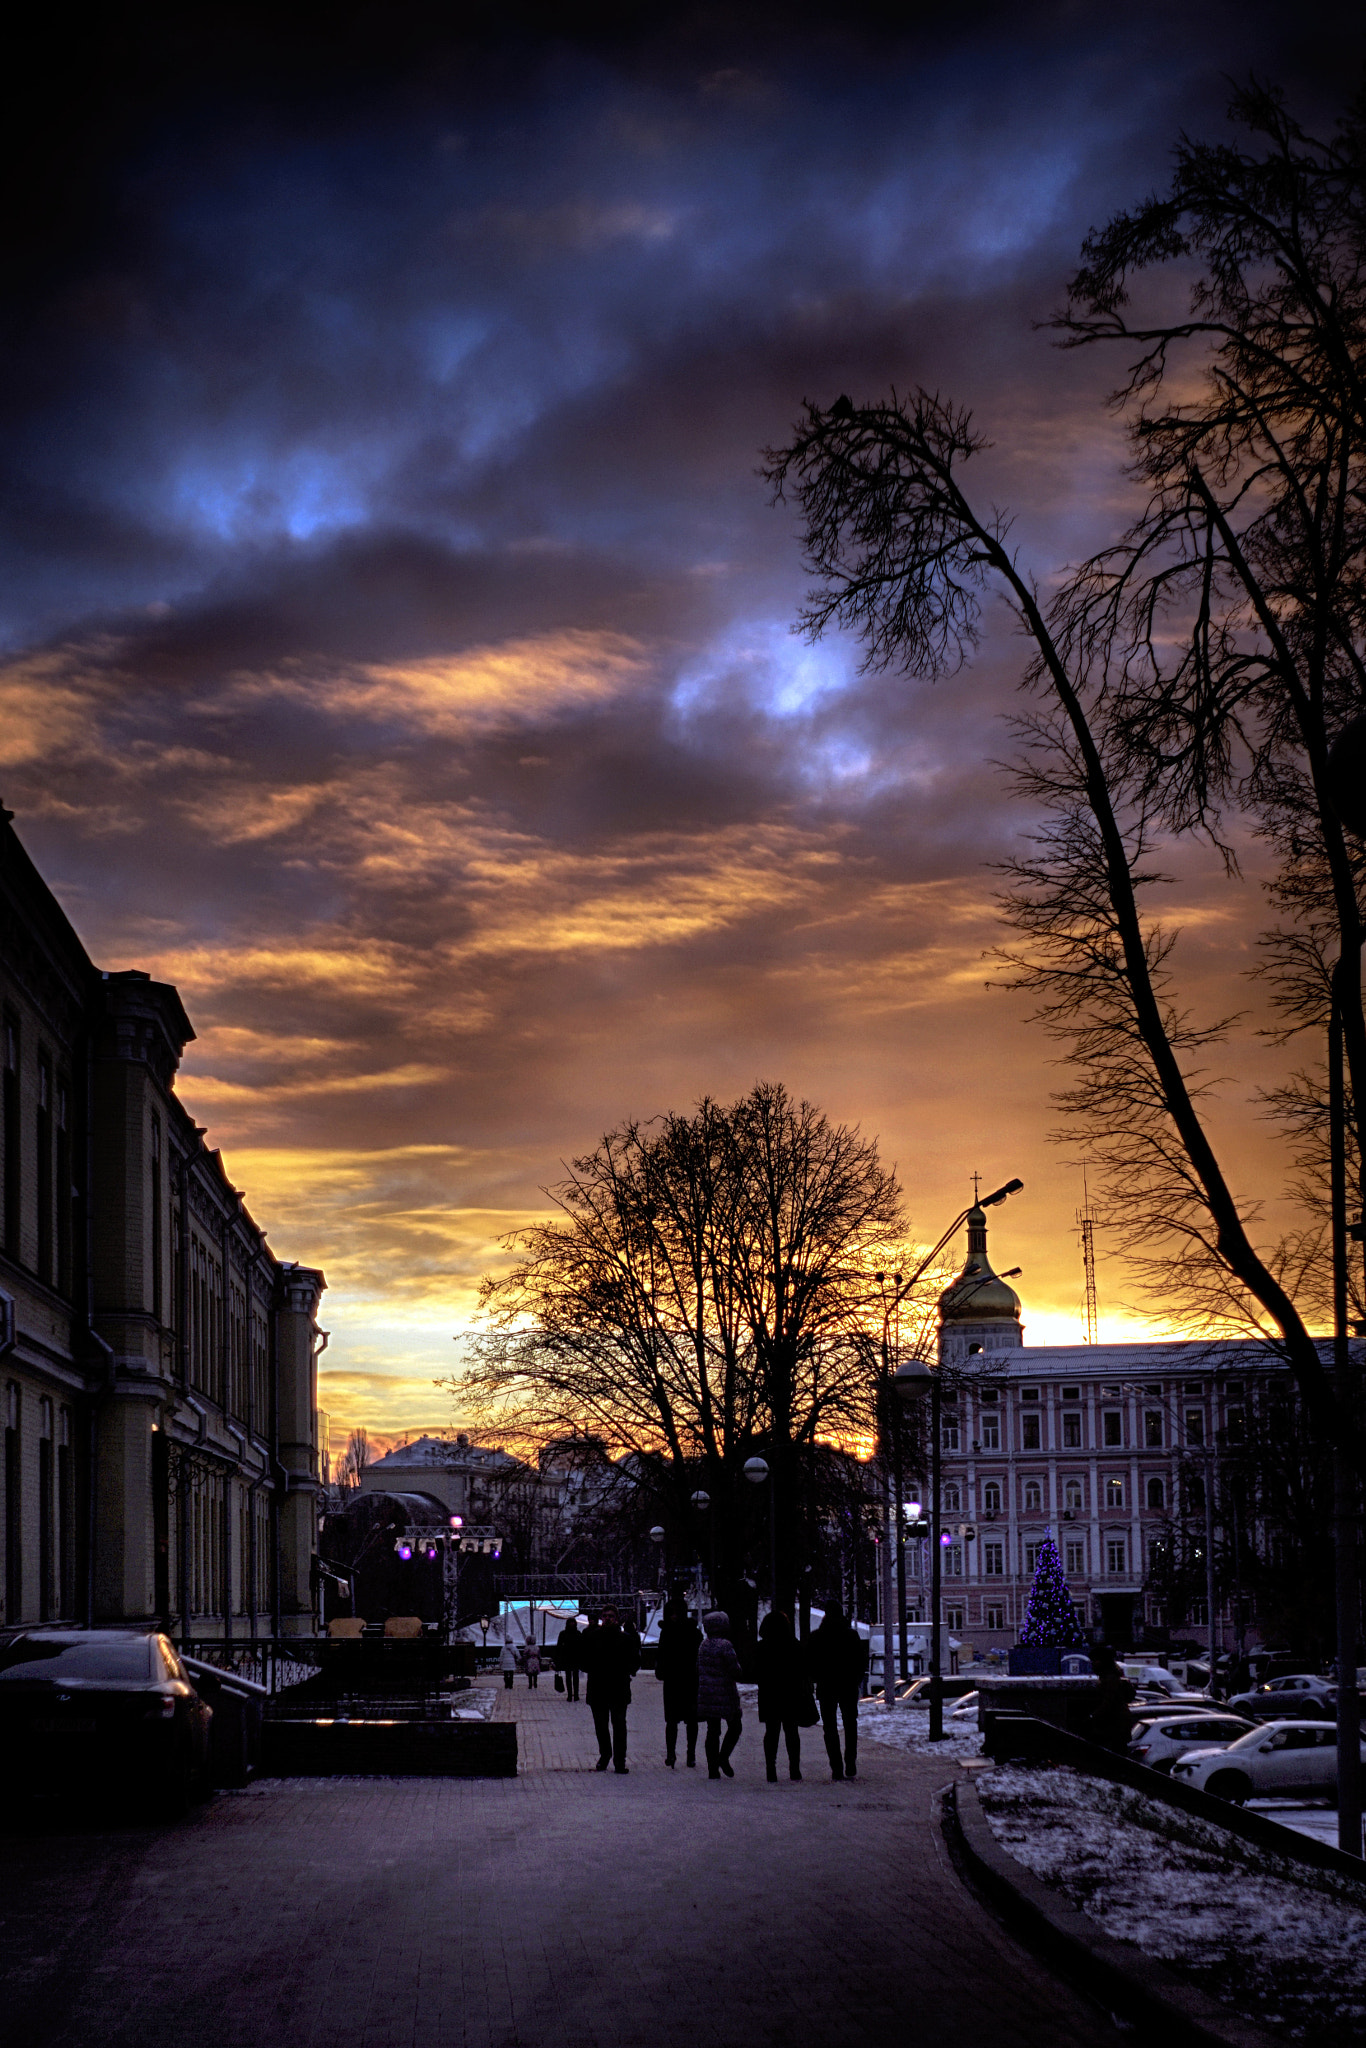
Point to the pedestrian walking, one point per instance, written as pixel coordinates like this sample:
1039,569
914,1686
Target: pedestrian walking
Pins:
612,1664
839,1659
785,1702
567,1657
507,1663
718,1693
676,1666
531,1663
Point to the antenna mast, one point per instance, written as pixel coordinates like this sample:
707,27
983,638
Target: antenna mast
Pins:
1087,1228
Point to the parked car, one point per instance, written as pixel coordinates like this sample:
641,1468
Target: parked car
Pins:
962,1718
1171,1696
1160,1740
1293,1759
1298,1696
104,1709
916,1691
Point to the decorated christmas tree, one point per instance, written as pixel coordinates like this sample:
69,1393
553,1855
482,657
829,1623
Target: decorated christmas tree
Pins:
1050,1619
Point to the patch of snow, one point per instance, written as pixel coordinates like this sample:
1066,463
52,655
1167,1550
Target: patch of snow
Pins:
908,1729
1283,1944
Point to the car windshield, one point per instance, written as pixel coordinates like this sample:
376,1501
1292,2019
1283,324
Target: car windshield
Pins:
54,1660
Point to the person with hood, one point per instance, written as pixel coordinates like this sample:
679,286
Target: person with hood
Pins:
718,1692
839,1659
567,1657
507,1663
531,1664
612,1664
783,1692
676,1668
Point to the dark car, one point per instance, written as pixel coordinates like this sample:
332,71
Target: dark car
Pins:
105,1711
1295,1696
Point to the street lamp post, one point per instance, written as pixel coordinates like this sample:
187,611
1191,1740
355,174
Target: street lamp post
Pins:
702,1501
910,1379
757,1471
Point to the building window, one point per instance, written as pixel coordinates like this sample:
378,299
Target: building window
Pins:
12,1140
1031,1559
14,1517
1195,1428
953,1561
1079,1610
158,1306
1033,1497
1072,1497
1157,1555
63,1141
43,1176
991,1498
1075,1562
1029,1432
991,1432
47,1514
953,1498
1152,1429
953,1617
1114,1493
1192,1386
1235,1423
1116,1556
994,1615
1071,1432
1112,1424
949,1429
66,1517
1157,1494
994,1560
1029,1393
989,1394
1193,1488
1071,1393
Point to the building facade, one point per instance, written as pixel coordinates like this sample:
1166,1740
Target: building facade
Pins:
158,1362
1108,1446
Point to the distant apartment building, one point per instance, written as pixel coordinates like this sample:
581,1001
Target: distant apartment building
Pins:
1108,1446
158,1362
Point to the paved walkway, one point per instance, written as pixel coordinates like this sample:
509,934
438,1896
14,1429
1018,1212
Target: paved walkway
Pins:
560,1909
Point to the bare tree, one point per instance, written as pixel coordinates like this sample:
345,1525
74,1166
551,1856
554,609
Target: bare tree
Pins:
705,1295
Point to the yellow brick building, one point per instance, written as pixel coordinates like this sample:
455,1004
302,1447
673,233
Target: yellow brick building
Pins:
158,1362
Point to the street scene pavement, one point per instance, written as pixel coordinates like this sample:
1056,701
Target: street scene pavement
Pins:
561,1907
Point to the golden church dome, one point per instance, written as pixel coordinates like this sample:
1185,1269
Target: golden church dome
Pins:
978,1295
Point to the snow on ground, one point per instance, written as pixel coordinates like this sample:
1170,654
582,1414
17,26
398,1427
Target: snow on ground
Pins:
908,1728
1283,1944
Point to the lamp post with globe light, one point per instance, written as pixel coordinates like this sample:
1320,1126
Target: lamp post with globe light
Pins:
756,1471
911,1379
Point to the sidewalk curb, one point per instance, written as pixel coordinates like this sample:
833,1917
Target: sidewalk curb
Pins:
1122,1977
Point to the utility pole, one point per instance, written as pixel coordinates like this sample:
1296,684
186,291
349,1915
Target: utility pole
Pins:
1087,1229
1344,1480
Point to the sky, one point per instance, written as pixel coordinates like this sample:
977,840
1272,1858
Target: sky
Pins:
396,642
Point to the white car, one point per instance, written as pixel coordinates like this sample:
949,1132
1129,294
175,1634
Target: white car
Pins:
1286,1760
963,1719
1158,1741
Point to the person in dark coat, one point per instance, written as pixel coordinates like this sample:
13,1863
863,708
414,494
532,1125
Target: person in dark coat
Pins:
567,1657
718,1693
611,1665
783,1691
1112,1712
839,1659
676,1667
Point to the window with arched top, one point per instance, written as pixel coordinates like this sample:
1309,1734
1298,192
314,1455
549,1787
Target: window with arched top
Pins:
1157,1494
991,1498
1033,1498
953,1498
1071,1497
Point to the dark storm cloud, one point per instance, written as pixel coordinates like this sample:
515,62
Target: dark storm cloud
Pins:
400,650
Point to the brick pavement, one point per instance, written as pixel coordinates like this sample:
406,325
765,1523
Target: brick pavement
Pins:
560,1909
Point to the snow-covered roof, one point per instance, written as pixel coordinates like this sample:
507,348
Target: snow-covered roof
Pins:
1193,1356
438,1453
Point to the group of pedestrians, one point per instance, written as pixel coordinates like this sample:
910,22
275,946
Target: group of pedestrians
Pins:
799,1685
